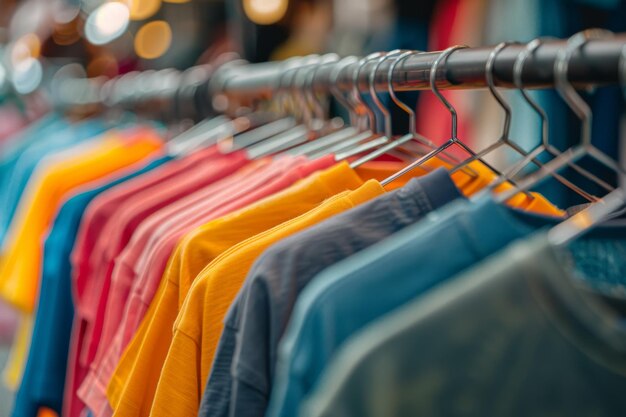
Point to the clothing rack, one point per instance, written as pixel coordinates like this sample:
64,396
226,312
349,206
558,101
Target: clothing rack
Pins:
595,63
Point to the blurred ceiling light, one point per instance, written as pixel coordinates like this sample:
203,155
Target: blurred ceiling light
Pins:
66,33
66,14
104,64
153,39
265,12
107,23
143,9
26,76
30,17
3,78
26,47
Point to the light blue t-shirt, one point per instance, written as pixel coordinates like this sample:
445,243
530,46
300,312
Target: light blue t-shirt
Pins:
23,165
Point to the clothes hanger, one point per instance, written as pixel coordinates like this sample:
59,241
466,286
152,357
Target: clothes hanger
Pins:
300,133
265,131
582,110
545,145
453,115
209,131
362,136
340,135
568,230
412,135
377,141
505,139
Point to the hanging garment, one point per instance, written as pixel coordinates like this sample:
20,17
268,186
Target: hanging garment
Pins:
44,375
46,137
520,334
285,206
200,322
258,183
416,258
20,267
257,319
96,292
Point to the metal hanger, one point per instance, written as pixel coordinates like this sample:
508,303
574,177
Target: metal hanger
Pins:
340,135
283,124
605,209
206,132
387,127
582,111
505,139
453,115
545,145
412,135
216,129
362,136
297,134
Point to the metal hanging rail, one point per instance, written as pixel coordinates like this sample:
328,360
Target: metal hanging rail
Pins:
596,63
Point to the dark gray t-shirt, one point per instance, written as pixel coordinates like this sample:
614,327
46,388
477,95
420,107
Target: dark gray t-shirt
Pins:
242,372
521,334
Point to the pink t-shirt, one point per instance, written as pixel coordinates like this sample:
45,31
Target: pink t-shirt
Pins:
93,390
168,192
100,212
101,218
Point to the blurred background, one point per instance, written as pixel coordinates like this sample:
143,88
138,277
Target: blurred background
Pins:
109,38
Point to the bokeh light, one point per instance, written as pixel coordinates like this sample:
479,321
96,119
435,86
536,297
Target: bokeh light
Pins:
26,47
107,23
103,64
265,12
27,75
153,39
66,33
143,9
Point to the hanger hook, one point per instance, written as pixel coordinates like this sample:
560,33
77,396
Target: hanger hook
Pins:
334,90
565,89
518,69
296,86
443,56
392,93
372,89
281,94
489,76
326,59
355,87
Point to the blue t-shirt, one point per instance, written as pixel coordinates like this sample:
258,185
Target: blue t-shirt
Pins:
346,297
521,334
44,376
24,165
9,154
259,315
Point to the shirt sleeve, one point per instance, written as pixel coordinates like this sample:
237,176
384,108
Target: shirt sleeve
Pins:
178,394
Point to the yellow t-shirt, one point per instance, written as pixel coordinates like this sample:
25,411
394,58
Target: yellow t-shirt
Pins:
20,265
21,262
199,324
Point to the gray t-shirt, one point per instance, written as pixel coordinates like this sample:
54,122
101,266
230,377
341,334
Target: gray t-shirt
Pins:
521,334
242,372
